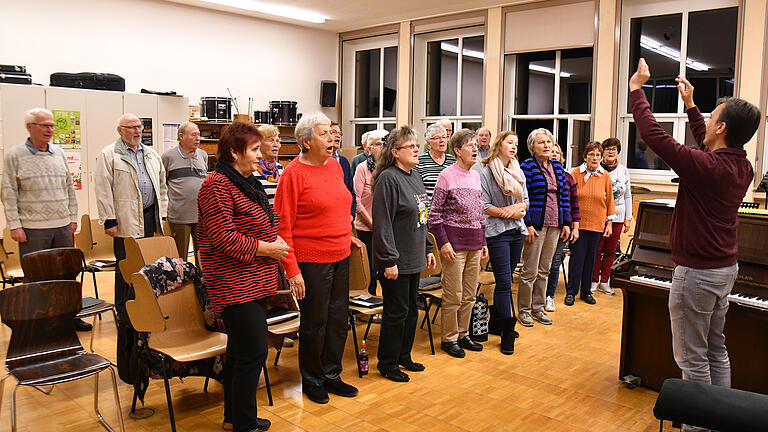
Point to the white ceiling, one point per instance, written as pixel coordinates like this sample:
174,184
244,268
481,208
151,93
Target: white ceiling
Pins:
345,15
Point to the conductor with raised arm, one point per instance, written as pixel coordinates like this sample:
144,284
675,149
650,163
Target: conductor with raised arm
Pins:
713,181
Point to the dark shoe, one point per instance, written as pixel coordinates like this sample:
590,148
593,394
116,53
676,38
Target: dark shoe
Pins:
453,349
412,366
508,336
81,325
525,319
569,300
588,299
340,388
395,375
541,317
317,394
262,424
467,343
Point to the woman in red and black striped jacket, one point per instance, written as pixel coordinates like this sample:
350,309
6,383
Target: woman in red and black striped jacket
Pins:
239,252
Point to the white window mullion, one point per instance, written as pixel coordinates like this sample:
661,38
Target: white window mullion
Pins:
459,73
556,96
683,57
381,82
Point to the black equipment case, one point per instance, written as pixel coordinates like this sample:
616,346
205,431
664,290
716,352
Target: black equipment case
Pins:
88,80
14,74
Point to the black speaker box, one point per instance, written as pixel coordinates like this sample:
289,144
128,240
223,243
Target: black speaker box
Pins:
327,93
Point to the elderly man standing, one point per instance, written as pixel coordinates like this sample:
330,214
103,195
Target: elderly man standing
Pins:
38,193
448,125
349,175
483,143
185,166
130,192
357,160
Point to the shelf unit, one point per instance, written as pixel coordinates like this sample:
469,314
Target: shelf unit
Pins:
210,132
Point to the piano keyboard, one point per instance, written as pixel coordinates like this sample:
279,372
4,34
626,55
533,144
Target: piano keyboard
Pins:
754,211
749,300
652,280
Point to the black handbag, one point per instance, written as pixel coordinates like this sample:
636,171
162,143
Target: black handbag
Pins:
478,322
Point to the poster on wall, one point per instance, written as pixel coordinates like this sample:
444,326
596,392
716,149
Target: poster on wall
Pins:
75,168
146,135
66,132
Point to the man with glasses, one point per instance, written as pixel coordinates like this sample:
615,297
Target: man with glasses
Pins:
38,192
345,167
130,193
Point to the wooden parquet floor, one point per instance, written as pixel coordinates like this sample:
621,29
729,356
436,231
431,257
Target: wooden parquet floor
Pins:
562,377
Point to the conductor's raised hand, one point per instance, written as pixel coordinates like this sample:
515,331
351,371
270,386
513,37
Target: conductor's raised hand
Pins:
686,91
640,77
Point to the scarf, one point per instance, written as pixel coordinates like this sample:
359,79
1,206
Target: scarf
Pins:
597,172
510,179
250,187
269,170
370,162
610,167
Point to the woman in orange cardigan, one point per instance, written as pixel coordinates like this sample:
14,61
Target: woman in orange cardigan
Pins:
593,184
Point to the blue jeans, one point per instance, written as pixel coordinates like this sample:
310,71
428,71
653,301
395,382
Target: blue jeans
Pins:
504,250
554,270
582,262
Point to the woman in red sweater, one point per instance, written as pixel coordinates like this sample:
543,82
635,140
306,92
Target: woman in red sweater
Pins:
239,252
313,203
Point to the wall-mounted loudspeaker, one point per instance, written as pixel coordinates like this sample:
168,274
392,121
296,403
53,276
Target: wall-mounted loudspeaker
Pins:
327,93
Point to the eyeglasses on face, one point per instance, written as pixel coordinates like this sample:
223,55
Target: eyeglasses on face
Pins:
611,150
45,125
412,147
135,127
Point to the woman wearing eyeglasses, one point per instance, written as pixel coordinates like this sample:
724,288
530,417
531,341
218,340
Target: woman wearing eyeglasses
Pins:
435,160
622,199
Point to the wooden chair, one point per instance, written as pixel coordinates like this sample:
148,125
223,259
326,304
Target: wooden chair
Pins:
430,292
64,264
84,242
177,328
359,278
10,260
44,349
284,328
102,251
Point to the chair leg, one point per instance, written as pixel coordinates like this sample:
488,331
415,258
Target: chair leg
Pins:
2,388
269,387
437,309
429,332
13,408
117,402
565,274
427,306
368,327
353,324
661,425
95,288
166,374
279,349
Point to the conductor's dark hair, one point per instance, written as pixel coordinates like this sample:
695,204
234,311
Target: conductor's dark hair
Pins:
741,119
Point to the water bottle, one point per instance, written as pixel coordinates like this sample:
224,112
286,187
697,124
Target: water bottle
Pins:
363,359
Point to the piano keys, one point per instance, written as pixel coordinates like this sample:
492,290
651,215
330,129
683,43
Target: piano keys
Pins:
645,279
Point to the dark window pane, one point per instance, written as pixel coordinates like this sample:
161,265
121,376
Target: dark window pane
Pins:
523,128
711,56
471,125
657,39
562,132
442,77
390,81
576,81
360,129
367,82
389,127
472,76
580,134
535,83
639,155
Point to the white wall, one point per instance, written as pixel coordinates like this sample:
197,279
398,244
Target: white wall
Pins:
165,46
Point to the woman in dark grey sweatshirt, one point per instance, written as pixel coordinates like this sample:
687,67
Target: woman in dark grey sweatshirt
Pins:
400,248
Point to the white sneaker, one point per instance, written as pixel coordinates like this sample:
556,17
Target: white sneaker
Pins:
605,288
593,288
549,304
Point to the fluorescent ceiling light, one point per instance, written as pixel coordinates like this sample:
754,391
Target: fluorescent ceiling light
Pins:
652,45
454,49
272,9
549,70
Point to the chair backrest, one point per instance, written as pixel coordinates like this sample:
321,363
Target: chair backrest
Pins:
84,237
41,317
174,311
436,252
143,251
144,312
52,264
359,271
102,243
12,251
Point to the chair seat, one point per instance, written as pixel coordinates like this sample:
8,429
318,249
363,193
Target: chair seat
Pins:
366,310
60,370
485,278
430,283
95,310
286,327
189,344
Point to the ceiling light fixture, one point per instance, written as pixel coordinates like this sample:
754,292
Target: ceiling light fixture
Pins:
652,45
272,9
549,70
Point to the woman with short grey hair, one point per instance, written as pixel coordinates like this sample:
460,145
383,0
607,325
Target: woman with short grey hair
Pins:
313,203
435,159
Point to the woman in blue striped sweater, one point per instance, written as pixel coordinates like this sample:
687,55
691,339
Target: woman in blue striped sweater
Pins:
548,218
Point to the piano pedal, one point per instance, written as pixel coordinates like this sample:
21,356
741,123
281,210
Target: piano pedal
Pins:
631,381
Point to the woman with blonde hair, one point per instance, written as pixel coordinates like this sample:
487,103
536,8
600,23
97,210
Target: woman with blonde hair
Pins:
269,169
505,199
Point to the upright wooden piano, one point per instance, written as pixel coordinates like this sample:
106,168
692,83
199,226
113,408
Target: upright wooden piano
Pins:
645,278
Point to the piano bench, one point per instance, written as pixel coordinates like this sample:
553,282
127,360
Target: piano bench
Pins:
710,406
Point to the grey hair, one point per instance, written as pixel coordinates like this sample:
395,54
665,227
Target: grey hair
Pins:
483,128
376,134
433,129
306,125
532,137
445,120
364,139
29,115
184,126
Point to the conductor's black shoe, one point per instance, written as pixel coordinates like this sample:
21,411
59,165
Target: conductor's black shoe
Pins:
412,366
467,343
453,349
317,394
81,325
588,299
395,375
569,300
263,424
340,388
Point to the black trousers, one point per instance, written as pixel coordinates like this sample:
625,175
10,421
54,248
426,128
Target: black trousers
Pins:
398,321
324,321
118,246
367,238
246,353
